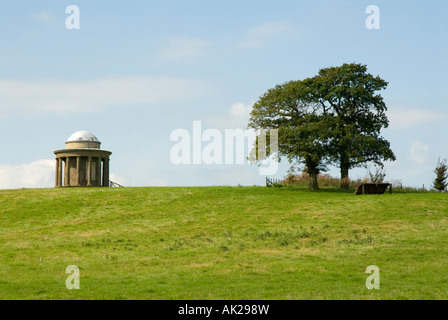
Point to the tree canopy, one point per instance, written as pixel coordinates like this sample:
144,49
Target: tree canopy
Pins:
301,135
334,117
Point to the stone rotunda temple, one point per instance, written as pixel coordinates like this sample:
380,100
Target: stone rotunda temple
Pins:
82,163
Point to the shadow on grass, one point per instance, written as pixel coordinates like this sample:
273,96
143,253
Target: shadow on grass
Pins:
349,191
412,191
323,189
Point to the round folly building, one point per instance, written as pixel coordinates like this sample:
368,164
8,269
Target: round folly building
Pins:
82,163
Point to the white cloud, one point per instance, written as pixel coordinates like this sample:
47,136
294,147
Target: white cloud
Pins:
401,118
270,29
182,49
419,152
45,17
37,174
57,96
258,36
237,117
240,113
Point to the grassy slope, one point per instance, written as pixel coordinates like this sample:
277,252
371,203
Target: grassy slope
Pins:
221,243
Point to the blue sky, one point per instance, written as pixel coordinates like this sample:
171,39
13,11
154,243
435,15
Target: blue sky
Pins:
137,70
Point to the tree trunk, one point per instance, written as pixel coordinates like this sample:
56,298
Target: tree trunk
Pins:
345,164
313,180
312,172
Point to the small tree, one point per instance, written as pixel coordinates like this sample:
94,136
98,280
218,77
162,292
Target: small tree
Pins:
441,172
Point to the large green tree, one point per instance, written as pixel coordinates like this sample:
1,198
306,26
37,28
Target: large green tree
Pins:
302,136
348,95
334,117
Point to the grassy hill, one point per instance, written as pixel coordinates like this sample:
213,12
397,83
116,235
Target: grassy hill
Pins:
221,243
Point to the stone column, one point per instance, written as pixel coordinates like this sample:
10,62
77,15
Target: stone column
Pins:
56,183
60,172
89,171
98,172
106,172
67,171
78,161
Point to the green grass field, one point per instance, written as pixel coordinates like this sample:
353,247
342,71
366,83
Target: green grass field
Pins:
221,243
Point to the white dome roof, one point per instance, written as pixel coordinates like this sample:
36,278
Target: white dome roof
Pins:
83,136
